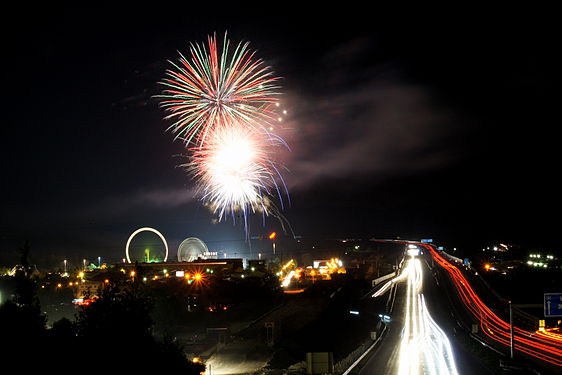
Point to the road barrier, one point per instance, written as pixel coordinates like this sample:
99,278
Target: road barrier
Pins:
382,278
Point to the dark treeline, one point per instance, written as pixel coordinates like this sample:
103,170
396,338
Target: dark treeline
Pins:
114,333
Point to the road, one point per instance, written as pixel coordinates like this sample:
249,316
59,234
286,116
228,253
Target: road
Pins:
541,347
414,342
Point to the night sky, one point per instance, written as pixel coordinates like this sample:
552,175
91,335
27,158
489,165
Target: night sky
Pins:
422,127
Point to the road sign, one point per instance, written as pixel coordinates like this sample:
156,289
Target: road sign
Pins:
552,304
269,327
320,363
427,240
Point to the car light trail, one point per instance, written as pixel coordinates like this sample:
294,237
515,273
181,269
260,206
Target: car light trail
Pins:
543,346
550,335
287,279
424,348
389,283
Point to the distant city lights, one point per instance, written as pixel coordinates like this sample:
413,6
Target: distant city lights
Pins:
541,261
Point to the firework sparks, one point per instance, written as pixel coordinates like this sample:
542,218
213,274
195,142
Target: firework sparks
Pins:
214,88
223,103
234,170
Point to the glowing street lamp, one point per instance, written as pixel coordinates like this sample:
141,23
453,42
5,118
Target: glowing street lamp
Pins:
272,236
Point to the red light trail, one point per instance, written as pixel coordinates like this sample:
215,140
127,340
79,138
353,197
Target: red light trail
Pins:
546,346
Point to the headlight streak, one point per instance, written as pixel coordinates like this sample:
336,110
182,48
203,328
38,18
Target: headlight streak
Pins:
546,347
389,283
550,335
424,347
287,279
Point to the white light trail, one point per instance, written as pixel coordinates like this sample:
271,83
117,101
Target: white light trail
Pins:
425,348
389,283
287,279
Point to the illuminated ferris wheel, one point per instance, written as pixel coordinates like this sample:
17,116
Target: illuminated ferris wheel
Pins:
190,249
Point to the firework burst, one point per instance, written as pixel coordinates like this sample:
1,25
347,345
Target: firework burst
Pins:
235,171
215,87
223,102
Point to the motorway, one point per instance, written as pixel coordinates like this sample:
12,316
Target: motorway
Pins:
414,342
542,348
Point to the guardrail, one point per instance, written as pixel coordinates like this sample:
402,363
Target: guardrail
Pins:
458,260
346,365
357,355
379,280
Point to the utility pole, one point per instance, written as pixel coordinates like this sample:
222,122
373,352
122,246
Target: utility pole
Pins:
510,330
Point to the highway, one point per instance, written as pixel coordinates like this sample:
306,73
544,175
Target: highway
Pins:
424,348
414,342
542,347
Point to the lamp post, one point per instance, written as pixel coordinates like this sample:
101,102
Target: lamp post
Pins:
65,266
99,262
84,264
272,236
510,330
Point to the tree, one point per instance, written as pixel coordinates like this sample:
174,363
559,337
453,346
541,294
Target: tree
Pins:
21,322
118,310
118,326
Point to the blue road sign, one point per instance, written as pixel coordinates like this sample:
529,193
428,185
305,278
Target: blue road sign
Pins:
427,240
552,304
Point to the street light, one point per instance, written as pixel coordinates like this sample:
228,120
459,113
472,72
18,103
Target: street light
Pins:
511,333
272,236
99,262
